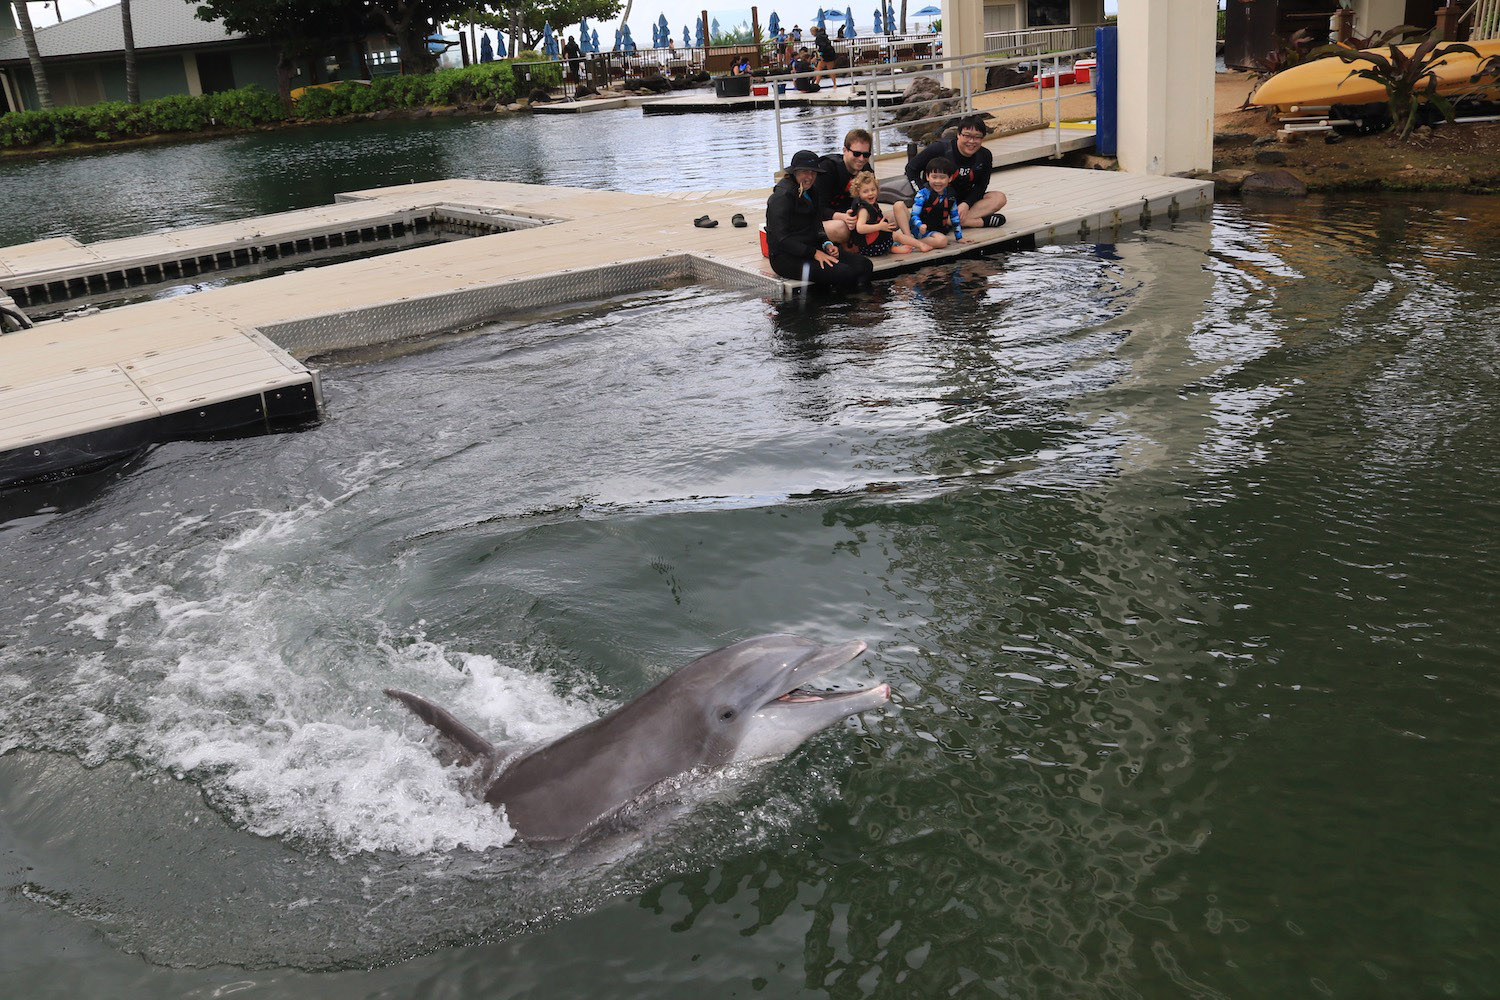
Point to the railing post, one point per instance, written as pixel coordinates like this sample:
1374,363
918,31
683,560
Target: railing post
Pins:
1057,107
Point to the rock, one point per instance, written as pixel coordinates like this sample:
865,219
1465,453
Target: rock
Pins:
1270,157
1264,140
421,113
923,88
1232,139
383,114
539,96
1275,182
1007,76
1092,161
513,107
1228,180
1332,139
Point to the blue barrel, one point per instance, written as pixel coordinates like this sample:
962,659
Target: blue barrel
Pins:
1107,90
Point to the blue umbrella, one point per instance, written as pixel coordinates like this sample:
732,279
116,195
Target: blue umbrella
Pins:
774,25
486,50
822,26
666,32
849,31
687,39
698,34
583,34
890,19
713,28
549,44
929,11
594,40
616,46
625,39
879,24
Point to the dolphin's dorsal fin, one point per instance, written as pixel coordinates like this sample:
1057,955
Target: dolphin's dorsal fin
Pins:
467,745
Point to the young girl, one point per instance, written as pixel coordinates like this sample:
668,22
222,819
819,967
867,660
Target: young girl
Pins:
874,236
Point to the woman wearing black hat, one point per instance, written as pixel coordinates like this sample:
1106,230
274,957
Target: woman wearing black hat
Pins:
800,249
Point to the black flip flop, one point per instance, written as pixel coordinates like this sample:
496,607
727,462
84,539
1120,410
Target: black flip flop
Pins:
704,222
738,221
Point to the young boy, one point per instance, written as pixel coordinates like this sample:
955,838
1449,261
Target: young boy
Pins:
933,211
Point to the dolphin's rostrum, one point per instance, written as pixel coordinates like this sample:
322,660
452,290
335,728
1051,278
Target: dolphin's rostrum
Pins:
744,702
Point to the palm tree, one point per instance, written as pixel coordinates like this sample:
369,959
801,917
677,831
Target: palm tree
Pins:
28,36
132,83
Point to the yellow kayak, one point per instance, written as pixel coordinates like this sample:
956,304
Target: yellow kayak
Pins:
1327,80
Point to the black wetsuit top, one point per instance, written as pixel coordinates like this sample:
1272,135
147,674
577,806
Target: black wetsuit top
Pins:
831,189
794,233
973,178
825,47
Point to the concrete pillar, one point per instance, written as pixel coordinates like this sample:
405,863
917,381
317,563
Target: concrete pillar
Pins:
963,34
190,70
1372,16
1166,86
12,91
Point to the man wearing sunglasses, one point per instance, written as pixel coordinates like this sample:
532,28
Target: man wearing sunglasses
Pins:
831,189
977,204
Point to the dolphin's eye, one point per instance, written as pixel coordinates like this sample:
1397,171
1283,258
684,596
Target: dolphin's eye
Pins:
726,714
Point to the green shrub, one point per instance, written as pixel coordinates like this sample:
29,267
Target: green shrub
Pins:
363,99
245,107
25,128
178,113
322,103
486,83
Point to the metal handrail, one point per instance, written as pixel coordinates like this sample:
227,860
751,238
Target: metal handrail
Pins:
872,76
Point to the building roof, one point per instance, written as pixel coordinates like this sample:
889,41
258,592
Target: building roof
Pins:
158,24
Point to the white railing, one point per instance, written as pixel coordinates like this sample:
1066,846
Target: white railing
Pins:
1484,20
880,80
1062,38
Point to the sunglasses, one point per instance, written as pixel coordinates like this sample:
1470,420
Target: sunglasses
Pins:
859,152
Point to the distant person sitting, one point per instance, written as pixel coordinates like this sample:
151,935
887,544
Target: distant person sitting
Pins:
741,68
977,204
799,248
802,64
933,212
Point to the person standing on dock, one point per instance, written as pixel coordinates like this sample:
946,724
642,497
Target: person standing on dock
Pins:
977,205
799,247
831,188
827,57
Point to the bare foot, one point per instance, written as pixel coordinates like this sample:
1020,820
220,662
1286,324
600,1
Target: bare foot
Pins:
900,249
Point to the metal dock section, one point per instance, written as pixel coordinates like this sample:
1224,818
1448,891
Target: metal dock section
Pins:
83,391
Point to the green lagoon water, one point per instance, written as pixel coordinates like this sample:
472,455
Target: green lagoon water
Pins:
1179,554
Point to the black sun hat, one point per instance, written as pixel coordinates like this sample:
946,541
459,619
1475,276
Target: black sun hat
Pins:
806,159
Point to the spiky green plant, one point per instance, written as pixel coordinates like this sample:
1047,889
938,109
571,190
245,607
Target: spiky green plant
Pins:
1410,81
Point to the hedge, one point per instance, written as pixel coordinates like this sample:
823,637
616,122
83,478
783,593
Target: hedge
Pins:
486,83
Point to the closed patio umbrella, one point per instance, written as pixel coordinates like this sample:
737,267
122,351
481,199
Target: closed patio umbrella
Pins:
549,43
774,25
849,31
486,50
879,22
666,32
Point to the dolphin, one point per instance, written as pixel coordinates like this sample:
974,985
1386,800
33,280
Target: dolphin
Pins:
745,702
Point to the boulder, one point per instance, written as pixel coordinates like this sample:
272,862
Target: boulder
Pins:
1271,158
1229,180
1274,182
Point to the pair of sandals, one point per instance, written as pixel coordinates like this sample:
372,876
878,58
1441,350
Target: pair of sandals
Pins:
704,222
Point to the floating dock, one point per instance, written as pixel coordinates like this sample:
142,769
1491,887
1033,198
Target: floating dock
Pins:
83,391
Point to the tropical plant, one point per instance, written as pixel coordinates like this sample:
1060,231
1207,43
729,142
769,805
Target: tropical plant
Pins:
33,54
1410,80
132,79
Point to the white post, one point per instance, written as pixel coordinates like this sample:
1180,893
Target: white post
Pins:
963,34
1166,86
12,92
190,70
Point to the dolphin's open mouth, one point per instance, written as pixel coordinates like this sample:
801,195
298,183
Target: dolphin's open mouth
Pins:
817,663
802,696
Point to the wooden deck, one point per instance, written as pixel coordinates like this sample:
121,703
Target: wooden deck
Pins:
227,359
